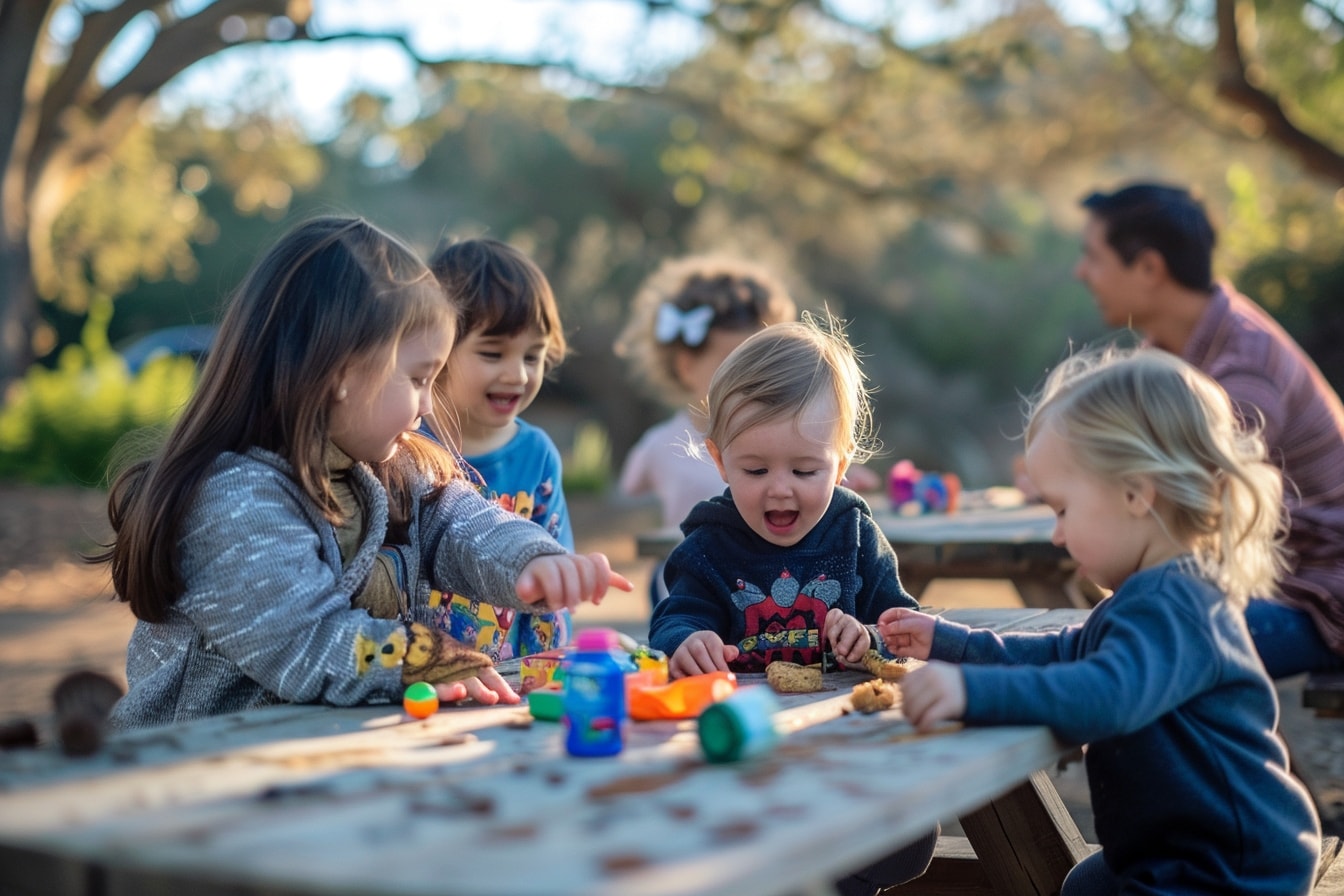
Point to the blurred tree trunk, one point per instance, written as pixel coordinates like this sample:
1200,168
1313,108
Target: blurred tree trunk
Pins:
20,25
58,119
1271,74
1236,86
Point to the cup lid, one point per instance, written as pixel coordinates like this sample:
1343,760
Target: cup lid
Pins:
722,733
597,639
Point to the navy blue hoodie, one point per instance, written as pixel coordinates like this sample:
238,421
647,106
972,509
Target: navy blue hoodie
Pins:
771,601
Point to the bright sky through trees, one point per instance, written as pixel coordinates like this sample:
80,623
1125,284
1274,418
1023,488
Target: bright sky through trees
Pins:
611,40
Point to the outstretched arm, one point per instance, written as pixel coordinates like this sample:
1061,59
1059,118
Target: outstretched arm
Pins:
907,632
563,581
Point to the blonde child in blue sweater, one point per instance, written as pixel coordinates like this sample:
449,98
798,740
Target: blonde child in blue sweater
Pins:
1161,496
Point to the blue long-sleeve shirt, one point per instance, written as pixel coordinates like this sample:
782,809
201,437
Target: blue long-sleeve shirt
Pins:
524,477
1189,782
771,601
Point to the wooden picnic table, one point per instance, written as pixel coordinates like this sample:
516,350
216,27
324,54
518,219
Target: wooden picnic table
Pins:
981,542
484,800
1324,692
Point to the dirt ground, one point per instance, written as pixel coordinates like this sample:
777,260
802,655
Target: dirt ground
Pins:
58,614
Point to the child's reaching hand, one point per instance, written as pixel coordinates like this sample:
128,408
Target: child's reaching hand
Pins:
906,632
932,694
563,581
848,637
701,652
487,688
456,670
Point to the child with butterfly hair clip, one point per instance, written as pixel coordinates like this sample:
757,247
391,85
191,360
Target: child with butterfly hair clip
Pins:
685,319
1162,496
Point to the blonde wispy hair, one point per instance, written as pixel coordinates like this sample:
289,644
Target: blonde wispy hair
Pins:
779,371
1146,413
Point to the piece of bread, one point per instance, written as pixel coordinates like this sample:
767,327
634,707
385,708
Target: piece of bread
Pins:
883,668
873,695
791,678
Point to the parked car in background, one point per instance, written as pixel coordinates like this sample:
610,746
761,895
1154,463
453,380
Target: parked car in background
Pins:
192,340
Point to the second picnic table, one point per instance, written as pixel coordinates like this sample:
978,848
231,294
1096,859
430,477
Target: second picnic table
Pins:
982,541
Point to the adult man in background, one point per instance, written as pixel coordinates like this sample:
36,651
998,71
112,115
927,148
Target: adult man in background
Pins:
1147,260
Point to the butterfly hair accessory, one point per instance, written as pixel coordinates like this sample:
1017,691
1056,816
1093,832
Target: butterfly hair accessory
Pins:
690,326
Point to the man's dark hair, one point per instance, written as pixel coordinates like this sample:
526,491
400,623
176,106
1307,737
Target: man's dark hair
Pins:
1168,220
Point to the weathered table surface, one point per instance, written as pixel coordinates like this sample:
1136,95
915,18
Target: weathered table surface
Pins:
307,799
1012,543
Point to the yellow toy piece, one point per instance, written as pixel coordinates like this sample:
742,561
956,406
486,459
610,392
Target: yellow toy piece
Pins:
388,653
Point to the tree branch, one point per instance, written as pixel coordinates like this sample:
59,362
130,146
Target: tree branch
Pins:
1329,12
179,43
184,42
1233,86
1178,95
96,31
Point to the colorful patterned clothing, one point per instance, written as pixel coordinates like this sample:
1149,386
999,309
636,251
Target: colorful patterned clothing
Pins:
524,477
772,601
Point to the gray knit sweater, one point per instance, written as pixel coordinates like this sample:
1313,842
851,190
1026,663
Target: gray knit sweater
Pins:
265,614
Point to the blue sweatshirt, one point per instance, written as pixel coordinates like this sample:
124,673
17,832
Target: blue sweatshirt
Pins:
1189,782
771,601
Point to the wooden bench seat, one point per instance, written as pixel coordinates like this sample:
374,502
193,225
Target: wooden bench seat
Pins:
955,871
1330,875
1324,693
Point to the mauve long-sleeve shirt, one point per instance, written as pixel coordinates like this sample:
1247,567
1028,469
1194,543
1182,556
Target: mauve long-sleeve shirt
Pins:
1269,377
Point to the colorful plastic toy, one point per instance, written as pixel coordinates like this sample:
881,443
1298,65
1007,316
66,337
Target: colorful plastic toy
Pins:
684,698
654,662
901,483
594,697
546,704
740,727
540,669
420,700
913,492
931,493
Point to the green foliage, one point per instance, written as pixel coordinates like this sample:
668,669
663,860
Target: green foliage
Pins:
588,466
935,208
59,426
130,222
1303,294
